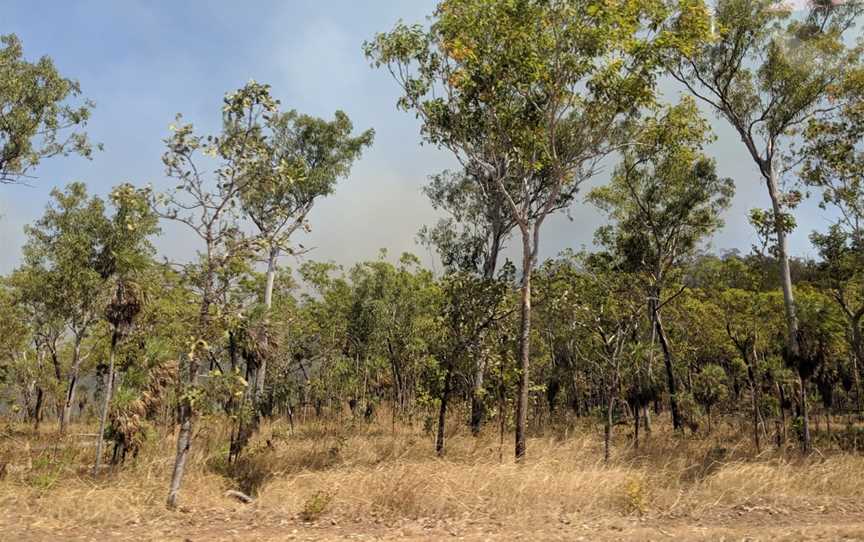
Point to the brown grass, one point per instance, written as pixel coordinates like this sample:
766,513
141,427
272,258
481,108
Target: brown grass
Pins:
370,473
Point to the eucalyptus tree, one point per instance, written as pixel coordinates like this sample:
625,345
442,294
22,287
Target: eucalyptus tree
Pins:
664,199
834,163
529,92
469,239
768,74
302,160
46,330
40,111
62,258
126,254
208,204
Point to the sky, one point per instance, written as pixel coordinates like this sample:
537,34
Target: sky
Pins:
143,62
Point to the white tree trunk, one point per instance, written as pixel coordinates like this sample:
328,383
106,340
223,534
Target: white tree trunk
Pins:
106,401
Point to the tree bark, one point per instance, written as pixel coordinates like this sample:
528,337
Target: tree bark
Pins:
186,407
654,304
783,256
71,387
184,442
754,397
106,401
478,407
806,443
442,411
37,410
268,304
524,347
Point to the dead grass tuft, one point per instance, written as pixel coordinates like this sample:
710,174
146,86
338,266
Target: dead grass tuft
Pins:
371,471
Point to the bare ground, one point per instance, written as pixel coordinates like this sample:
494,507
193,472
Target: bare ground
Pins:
731,524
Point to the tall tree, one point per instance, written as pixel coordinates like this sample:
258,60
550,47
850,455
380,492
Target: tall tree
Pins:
469,239
768,73
39,115
834,163
63,258
126,254
303,159
529,91
209,205
664,199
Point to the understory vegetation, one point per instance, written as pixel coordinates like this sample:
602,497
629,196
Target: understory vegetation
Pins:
646,375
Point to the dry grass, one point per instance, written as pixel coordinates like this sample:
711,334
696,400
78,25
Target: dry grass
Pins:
324,470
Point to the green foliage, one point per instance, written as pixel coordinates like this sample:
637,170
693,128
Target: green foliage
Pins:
315,506
39,113
298,159
665,197
709,386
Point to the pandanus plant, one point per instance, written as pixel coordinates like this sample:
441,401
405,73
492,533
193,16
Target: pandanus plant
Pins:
125,305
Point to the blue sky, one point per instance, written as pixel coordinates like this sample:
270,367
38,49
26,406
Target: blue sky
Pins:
143,62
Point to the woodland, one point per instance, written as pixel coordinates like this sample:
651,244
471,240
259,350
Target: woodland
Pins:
645,376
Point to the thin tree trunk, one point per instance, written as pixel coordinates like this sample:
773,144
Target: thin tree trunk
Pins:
667,361
268,304
806,443
442,411
524,348
478,408
781,430
783,255
184,442
71,387
37,410
106,401
754,398
647,415
185,409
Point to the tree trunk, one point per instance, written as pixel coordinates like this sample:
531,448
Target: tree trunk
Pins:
442,412
783,256
647,415
667,360
636,422
185,409
106,401
478,408
806,443
37,410
781,429
754,398
71,387
268,304
184,442
524,348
